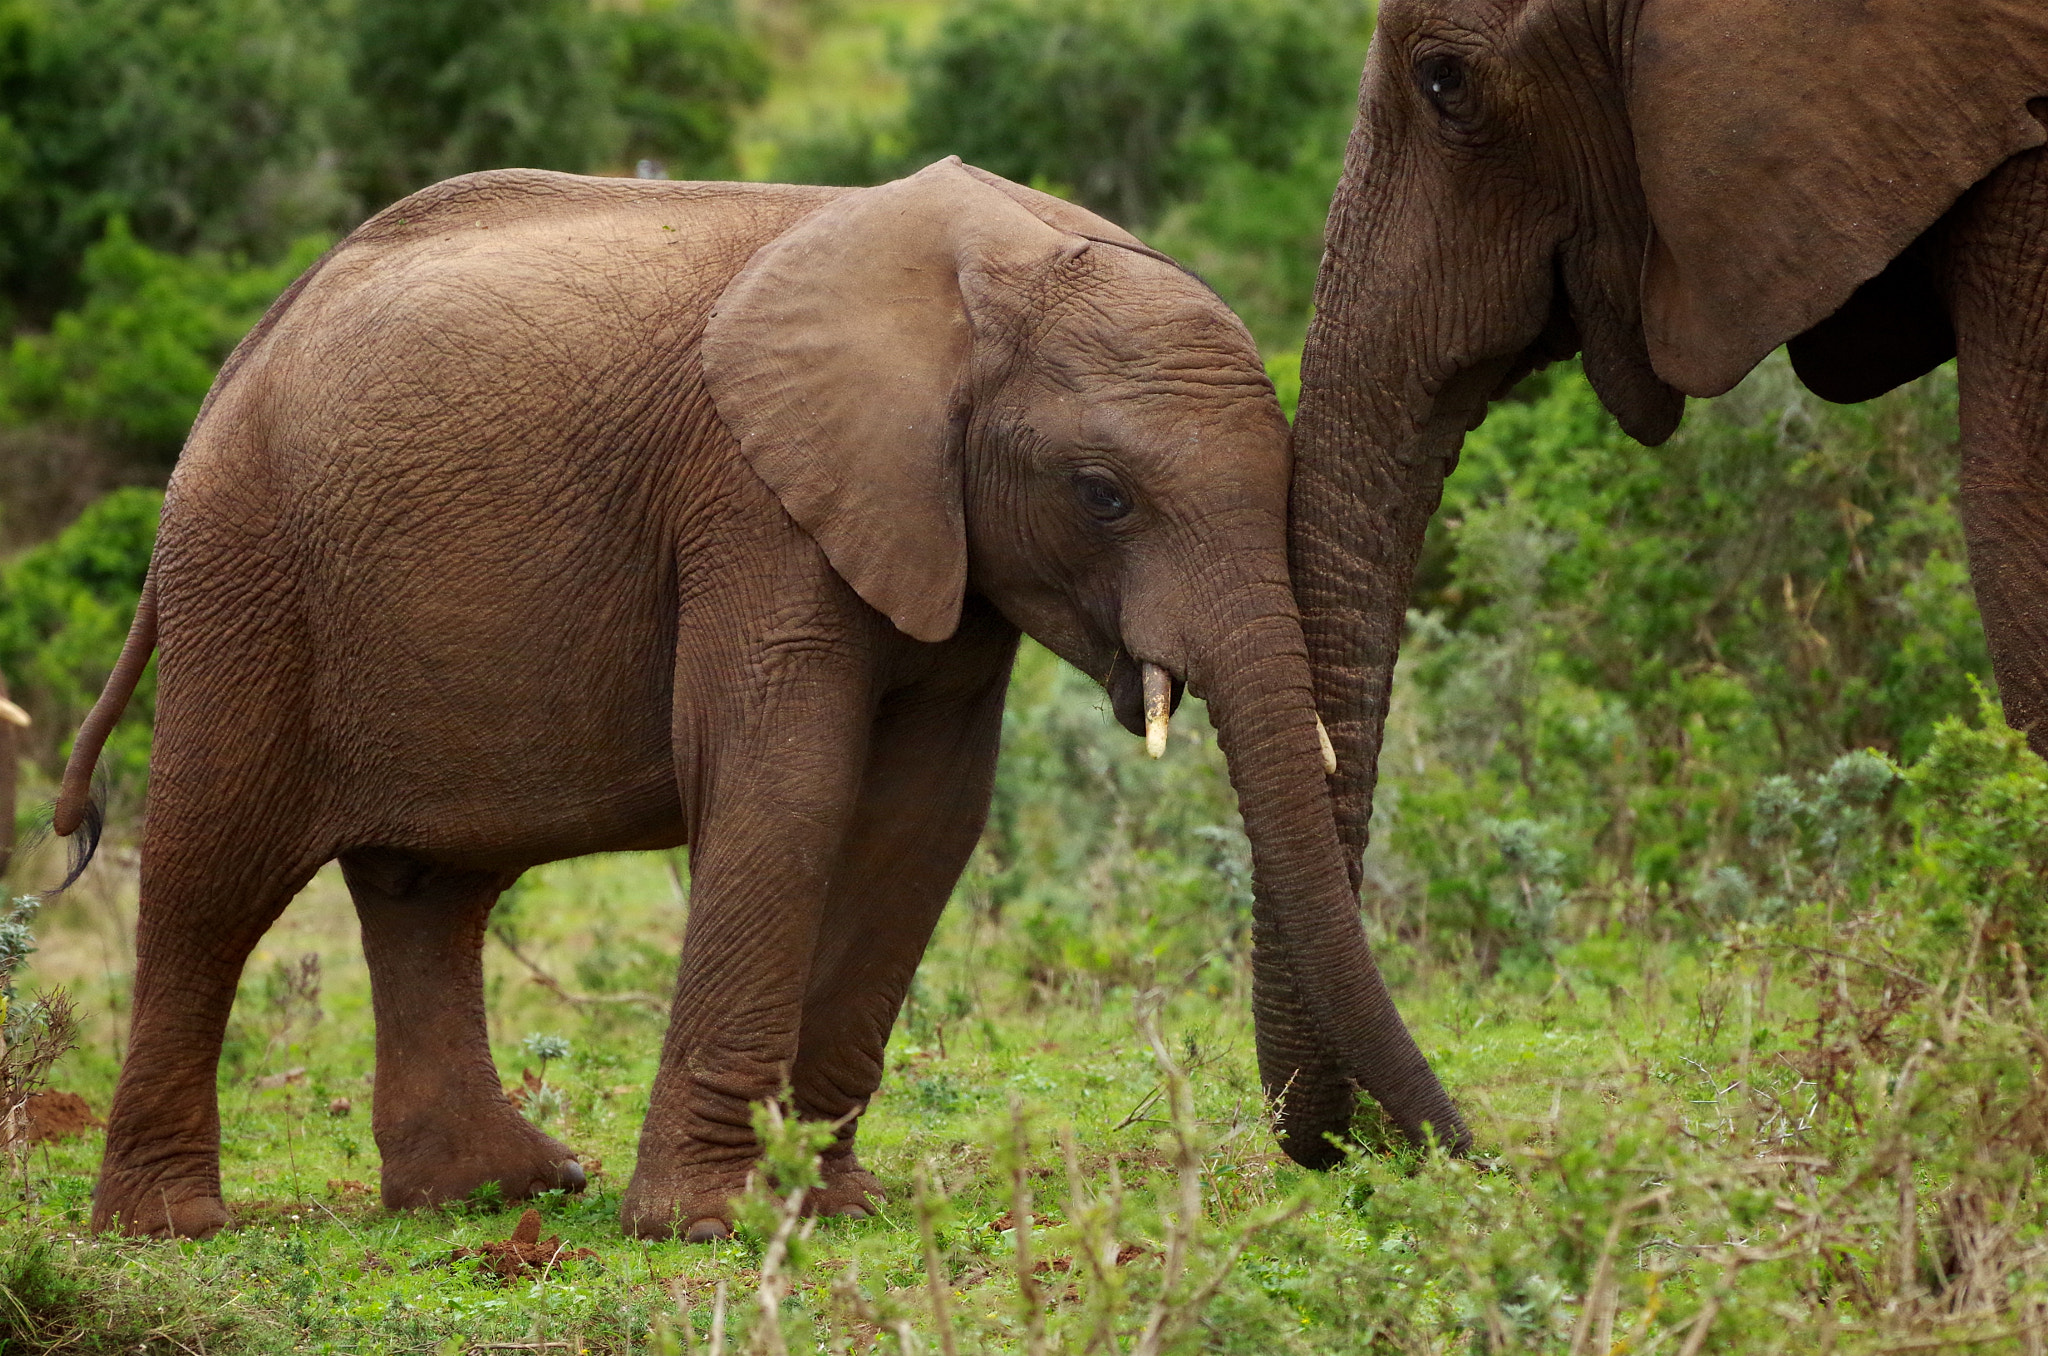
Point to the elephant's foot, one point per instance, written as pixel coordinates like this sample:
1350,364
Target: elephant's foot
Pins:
693,1203
850,1190
447,1165
165,1201
696,1204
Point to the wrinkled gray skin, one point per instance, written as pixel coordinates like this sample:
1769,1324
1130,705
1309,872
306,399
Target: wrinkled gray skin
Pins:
550,516
1672,188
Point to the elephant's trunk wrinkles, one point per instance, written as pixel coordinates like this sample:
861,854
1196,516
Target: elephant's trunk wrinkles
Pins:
1370,459
1326,1024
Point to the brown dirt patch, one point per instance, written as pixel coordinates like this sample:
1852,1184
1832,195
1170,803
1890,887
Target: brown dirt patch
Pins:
525,1251
59,1115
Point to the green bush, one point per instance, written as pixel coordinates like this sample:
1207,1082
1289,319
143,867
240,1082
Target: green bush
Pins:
1128,106
548,84
202,123
133,362
241,125
1623,646
65,609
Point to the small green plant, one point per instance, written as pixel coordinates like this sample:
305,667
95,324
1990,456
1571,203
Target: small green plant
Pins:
546,1049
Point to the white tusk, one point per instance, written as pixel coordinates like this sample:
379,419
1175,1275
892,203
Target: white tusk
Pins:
13,714
1329,749
1158,707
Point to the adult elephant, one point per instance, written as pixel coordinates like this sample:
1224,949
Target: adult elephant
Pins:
551,515
1673,188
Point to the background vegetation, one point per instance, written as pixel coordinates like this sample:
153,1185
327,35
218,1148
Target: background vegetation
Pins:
1703,864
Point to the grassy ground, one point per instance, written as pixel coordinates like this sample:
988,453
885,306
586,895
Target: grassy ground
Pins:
1814,1133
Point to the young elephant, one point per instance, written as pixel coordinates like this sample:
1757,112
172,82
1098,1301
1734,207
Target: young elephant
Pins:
551,515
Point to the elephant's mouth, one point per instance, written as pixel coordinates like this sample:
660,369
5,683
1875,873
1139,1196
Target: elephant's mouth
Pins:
1126,686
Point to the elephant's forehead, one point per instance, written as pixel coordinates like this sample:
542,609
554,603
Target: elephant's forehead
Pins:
1179,429
1131,346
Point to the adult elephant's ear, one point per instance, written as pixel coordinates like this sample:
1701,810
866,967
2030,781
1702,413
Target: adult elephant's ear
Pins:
840,357
1791,149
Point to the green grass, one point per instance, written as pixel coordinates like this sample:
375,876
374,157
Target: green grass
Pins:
1815,1132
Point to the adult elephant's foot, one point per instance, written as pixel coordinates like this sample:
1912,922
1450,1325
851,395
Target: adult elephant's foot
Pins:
166,1201
445,1163
850,1190
694,1203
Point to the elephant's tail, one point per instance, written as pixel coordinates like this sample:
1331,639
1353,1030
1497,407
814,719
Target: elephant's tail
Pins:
77,808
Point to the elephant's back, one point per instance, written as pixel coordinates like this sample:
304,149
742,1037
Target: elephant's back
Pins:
459,460
494,334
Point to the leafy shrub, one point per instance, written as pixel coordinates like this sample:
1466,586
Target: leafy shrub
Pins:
551,84
1124,105
65,609
1978,855
1623,646
1256,234
201,124
134,361
241,125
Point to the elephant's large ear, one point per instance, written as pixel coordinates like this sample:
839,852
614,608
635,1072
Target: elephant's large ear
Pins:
1791,149
839,356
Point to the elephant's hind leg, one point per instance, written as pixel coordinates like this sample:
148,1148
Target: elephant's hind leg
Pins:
443,1124
206,899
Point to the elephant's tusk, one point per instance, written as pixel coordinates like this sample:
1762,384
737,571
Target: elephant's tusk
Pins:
13,714
1158,707
1329,749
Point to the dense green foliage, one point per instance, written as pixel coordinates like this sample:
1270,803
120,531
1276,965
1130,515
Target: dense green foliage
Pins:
243,124
136,357
65,607
1129,106
550,84
1615,647
202,122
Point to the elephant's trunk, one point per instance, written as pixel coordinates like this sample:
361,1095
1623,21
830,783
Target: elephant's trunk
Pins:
1326,1024
1420,318
1369,470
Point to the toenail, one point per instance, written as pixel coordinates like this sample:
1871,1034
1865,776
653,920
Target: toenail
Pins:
851,1212
572,1175
707,1231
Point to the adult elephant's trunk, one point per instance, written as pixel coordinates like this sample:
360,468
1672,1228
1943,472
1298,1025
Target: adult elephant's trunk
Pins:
1369,469
1326,1025
1424,311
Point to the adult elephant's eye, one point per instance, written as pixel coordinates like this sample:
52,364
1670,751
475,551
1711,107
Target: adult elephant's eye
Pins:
1101,497
1443,81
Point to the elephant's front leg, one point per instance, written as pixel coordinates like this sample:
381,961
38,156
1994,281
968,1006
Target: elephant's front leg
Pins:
443,1124
923,802
763,850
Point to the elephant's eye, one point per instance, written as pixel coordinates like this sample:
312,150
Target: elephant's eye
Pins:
1442,78
1101,497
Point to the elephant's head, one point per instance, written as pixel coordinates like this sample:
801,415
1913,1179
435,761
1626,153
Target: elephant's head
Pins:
958,385
1673,188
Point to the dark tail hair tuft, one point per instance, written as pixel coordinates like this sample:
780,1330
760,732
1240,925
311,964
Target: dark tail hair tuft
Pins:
86,841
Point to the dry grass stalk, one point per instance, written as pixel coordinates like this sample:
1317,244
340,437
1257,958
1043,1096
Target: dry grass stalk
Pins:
774,1285
935,1272
1030,1295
